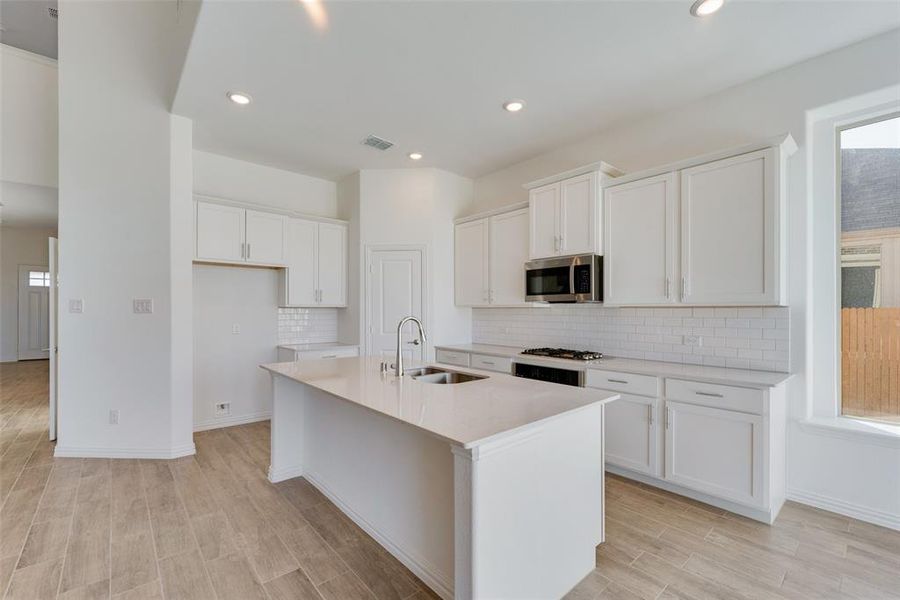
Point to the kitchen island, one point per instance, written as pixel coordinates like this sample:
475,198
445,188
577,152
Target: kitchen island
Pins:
491,488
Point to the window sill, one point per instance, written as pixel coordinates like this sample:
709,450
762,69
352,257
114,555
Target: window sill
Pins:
857,430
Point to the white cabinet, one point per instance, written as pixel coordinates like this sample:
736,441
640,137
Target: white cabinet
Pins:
219,232
470,265
565,217
632,434
641,241
715,451
292,354
265,237
316,264
489,260
730,231
706,231
508,242
239,235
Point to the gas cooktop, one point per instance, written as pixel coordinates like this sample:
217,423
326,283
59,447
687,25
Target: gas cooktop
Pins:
563,353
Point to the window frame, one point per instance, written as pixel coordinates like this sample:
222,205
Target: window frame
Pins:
875,115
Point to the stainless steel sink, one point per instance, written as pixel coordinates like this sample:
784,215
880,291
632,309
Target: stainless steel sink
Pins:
438,375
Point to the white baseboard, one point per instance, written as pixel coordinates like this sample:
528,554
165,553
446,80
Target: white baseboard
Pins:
855,511
232,421
422,568
276,475
78,452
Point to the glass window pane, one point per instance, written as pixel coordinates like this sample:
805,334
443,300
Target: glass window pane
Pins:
870,270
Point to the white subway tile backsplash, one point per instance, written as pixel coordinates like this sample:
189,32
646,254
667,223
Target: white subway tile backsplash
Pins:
307,325
756,338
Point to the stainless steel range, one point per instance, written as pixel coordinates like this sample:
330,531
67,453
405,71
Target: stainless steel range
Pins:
574,376
563,353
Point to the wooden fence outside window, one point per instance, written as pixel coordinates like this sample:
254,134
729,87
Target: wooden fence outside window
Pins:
870,363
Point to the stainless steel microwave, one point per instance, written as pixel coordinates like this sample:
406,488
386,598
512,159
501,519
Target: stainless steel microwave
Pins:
565,279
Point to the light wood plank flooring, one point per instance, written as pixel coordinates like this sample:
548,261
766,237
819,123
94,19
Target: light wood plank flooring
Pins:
212,527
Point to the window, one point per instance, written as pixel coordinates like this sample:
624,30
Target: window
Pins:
869,173
38,279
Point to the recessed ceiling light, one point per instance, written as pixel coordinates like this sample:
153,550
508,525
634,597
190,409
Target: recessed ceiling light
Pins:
239,98
415,155
702,8
514,105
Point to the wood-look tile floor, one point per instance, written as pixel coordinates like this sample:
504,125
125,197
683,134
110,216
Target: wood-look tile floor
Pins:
211,527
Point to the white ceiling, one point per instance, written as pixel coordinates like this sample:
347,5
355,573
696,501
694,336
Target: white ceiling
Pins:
27,25
24,205
431,76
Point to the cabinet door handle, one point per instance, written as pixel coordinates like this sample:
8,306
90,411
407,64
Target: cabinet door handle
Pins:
667,288
248,250
243,250
710,394
650,414
617,381
667,417
556,243
684,287
562,244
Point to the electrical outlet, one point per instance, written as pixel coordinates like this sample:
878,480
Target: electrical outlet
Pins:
76,305
693,340
142,306
223,409
113,417
236,329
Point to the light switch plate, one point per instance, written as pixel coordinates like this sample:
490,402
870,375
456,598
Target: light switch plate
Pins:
236,329
142,306
76,305
693,340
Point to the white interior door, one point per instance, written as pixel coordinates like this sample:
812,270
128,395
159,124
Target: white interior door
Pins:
34,312
54,339
393,291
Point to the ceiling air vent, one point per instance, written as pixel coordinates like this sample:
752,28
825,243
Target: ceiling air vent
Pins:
54,12
377,142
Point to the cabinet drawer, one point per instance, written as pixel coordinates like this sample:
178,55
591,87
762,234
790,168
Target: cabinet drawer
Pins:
323,354
644,385
460,359
491,363
716,396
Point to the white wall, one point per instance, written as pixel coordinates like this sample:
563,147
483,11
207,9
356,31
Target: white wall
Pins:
226,365
18,246
28,110
123,207
415,207
864,480
225,177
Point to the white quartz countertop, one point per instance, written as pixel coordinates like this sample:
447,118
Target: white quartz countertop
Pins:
317,346
466,414
740,377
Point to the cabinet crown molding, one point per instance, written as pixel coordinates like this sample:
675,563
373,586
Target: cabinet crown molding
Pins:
491,213
269,209
603,167
784,142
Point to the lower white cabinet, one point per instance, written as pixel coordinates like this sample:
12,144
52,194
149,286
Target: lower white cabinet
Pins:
632,434
491,363
291,355
719,452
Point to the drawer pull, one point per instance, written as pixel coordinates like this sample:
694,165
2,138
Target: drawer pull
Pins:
617,381
488,362
710,394
330,356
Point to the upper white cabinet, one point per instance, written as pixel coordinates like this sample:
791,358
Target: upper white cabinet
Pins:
707,231
265,237
220,232
641,241
317,264
565,217
234,234
730,250
470,265
564,212
489,259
